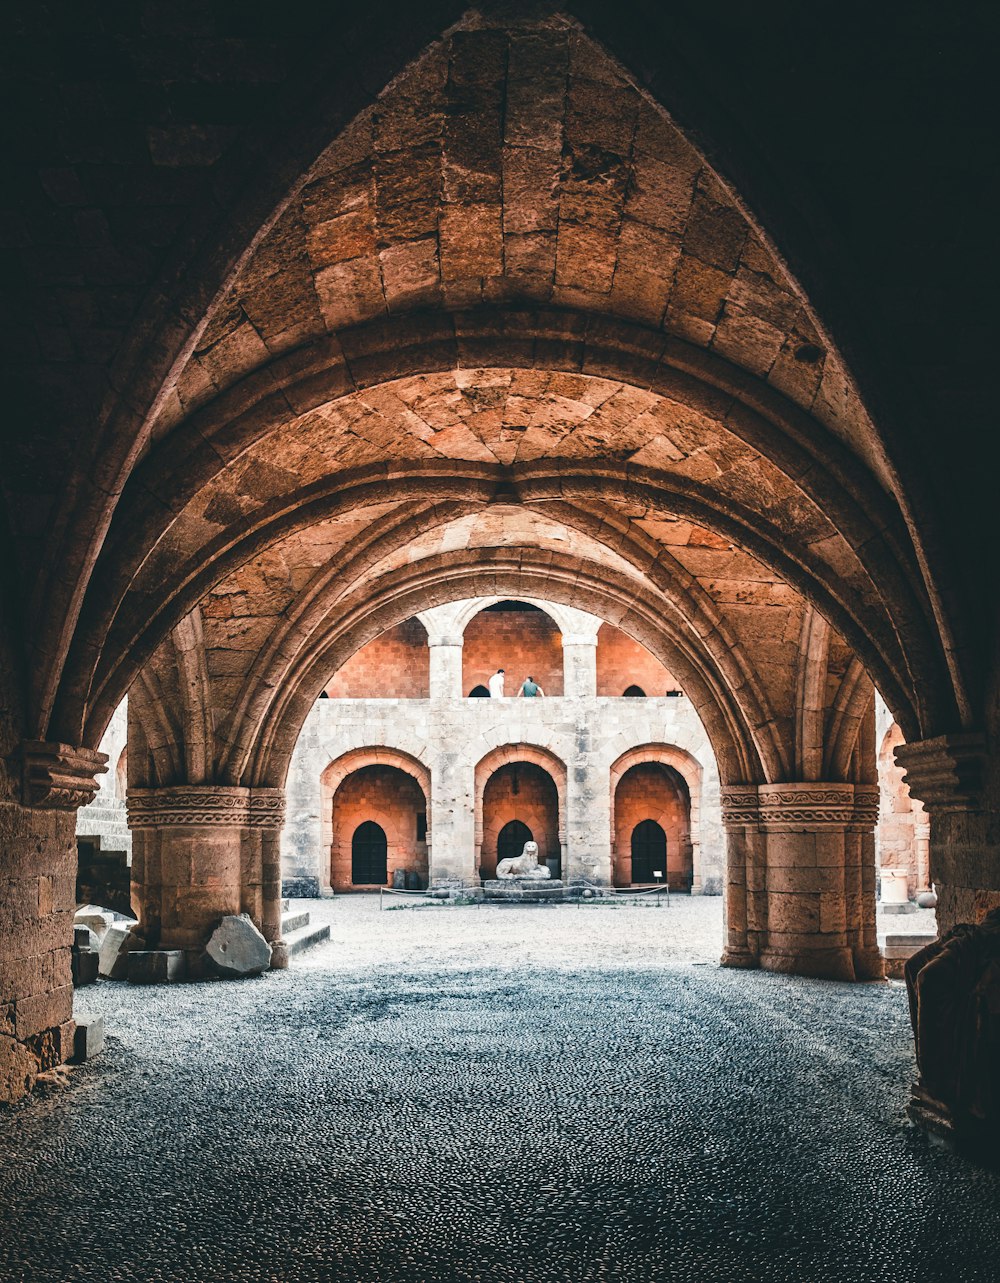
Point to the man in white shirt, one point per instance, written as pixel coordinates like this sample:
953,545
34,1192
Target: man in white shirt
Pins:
496,685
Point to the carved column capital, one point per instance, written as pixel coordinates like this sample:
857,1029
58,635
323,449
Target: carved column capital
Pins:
945,773
267,808
866,806
59,777
187,805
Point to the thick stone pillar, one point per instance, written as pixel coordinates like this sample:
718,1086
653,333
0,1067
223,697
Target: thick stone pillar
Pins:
201,852
744,901
579,665
452,821
800,879
951,776
267,818
445,667
37,903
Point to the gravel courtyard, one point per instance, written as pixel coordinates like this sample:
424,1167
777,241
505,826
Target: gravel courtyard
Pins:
504,1094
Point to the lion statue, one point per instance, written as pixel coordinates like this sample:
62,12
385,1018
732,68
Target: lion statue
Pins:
524,865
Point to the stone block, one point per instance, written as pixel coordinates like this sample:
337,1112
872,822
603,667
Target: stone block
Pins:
156,966
86,966
237,948
114,951
94,917
88,1040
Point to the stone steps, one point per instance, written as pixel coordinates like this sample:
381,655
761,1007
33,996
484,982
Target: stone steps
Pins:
305,937
292,919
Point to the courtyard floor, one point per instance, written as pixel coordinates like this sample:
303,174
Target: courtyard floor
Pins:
503,1094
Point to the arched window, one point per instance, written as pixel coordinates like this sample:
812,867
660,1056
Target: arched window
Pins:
635,692
368,855
479,692
511,840
649,852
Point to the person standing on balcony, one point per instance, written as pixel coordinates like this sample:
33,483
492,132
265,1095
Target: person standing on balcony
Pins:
530,689
496,685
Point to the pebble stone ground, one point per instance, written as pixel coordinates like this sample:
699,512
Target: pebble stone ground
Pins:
504,1095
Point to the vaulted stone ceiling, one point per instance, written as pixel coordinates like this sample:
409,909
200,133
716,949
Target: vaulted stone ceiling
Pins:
508,283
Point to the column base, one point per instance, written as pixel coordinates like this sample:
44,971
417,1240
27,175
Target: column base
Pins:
816,964
279,955
869,964
741,959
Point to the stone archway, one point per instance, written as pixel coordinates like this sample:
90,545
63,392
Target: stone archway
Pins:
545,811
652,793
390,773
683,802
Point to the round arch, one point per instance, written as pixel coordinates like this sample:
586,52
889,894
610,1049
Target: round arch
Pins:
512,755
688,768
355,759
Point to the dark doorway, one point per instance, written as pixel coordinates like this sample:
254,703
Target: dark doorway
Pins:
368,855
649,852
479,692
511,840
635,692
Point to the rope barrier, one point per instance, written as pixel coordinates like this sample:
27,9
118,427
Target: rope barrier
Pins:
582,898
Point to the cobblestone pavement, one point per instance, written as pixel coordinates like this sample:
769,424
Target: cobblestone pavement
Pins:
504,1094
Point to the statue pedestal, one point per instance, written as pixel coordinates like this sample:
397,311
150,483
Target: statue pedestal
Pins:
524,890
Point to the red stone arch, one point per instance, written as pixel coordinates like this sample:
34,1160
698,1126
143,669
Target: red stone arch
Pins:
508,755
356,759
689,769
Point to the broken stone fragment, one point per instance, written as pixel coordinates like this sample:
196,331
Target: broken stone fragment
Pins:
94,917
114,951
237,948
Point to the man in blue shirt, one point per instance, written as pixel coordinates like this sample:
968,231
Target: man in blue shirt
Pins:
530,688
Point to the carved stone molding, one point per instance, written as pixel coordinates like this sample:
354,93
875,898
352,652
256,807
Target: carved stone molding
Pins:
184,805
796,804
945,773
740,804
59,777
267,808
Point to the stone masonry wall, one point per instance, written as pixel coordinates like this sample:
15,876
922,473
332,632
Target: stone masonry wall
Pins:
650,791
521,642
393,800
450,736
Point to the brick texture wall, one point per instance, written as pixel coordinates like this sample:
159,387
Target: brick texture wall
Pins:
535,804
390,798
653,792
395,665
520,641
622,662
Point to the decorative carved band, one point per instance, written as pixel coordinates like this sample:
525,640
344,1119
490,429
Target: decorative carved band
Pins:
213,804
59,777
267,808
945,773
740,804
811,803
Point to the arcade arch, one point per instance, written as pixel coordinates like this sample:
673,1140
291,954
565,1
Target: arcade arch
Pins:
523,782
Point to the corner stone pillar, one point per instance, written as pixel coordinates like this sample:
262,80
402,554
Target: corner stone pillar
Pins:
800,886
579,665
445,667
951,776
37,903
200,853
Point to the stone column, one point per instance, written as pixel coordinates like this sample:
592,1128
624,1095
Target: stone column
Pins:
814,852
579,665
740,818
951,776
452,823
266,819
189,844
37,903
445,667
585,813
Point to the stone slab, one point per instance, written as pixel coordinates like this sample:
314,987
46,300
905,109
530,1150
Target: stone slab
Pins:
156,966
88,1040
86,966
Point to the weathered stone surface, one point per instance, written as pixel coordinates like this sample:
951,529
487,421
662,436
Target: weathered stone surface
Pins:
88,1040
156,966
97,919
237,948
114,951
